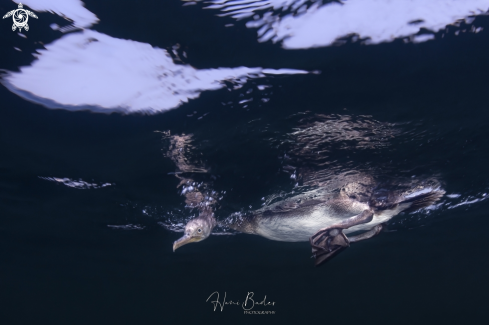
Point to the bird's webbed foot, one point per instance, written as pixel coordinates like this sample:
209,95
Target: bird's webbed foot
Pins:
329,241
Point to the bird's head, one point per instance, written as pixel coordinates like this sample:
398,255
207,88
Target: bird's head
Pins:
197,229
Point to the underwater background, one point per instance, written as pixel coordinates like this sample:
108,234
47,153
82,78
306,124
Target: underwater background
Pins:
106,107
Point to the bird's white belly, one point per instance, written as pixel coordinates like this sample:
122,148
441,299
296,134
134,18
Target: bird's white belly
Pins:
290,229
294,228
300,228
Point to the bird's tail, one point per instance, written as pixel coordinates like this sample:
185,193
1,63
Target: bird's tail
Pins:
416,198
422,199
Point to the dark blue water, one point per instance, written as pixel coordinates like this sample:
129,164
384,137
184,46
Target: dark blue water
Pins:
74,251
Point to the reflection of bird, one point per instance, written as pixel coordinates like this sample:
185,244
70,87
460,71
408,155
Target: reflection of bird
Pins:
323,219
20,17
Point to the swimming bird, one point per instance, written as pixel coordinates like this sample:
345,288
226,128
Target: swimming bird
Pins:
322,218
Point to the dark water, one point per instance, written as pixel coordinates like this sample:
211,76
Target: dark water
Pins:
61,263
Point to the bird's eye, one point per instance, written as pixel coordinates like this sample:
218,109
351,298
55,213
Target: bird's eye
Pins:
199,230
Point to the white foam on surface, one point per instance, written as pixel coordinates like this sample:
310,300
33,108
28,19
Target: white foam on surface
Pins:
74,10
91,70
127,227
307,24
79,184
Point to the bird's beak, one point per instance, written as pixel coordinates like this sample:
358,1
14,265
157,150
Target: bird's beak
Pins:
186,239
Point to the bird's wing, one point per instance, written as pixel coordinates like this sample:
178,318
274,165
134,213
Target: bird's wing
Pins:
8,14
30,13
287,206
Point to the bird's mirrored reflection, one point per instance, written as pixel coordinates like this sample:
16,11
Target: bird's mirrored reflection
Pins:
320,137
